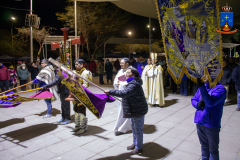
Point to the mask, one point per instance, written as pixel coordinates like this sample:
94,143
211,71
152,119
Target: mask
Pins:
23,67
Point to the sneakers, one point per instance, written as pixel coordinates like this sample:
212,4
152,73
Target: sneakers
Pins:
136,151
65,122
76,129
238,109
61,120
47,116
80,131
132,147
117,133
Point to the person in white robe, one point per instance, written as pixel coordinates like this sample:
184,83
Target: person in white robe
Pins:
122,124
153,83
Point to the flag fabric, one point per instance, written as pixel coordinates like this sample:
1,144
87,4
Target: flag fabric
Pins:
94,102
11,100
192,45
6,104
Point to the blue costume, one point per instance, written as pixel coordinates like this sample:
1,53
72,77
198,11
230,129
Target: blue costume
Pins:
138,66
208,119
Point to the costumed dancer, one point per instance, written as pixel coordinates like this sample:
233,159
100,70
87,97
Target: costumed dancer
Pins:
123,124
80,110
153,86
47,75
64,93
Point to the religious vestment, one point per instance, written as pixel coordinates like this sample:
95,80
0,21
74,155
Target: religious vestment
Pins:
123,124
153,85
140,66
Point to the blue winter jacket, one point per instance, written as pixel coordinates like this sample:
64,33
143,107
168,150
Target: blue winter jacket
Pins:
214,99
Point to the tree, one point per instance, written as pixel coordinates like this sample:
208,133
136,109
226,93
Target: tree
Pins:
17,49
38,34
96,21
232,38
140,48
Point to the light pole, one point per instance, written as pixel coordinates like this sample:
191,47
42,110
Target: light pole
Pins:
13,19
129,34
149,26
31,36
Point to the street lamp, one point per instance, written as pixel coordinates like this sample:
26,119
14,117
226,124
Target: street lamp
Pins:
129,33
13,19
153,29
148,26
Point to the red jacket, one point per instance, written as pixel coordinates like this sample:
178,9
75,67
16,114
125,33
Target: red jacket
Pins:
4,74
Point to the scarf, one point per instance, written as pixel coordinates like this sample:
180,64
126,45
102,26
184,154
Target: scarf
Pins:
80,72
130,79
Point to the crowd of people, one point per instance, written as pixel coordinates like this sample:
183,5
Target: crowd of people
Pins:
24,72
140,84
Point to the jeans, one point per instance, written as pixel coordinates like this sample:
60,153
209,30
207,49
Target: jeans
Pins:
101,79
49,106
137,124
23,82
238,98
184,87
65,105
209,140
4,84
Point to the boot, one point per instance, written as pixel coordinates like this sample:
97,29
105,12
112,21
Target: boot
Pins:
83,124
77,122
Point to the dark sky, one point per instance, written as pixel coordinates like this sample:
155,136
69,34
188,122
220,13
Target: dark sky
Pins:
46,10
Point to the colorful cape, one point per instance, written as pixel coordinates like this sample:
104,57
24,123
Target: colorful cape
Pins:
8,104
15,100
94,102
192,45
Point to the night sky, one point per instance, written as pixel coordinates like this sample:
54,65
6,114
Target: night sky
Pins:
46,10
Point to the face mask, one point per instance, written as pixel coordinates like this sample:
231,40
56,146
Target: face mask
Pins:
23,67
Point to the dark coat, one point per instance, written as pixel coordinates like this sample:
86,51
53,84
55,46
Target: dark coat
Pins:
133,99
227,76
108,69
236,77
34,72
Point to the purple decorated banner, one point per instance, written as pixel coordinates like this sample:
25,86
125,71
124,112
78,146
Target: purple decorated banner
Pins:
192,45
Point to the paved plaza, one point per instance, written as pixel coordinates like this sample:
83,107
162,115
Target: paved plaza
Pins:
169,133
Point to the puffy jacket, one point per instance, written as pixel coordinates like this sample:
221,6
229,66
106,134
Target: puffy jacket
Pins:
23,74
227,76
4,73
133,99
214,99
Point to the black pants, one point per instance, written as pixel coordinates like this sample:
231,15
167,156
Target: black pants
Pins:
23,82
79,108
174,86
65,105
4,85
101,79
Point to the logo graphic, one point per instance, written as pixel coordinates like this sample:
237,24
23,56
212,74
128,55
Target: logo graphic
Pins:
226,21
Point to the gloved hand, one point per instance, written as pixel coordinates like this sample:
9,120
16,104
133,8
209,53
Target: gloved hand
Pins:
199,83
201,104
44,88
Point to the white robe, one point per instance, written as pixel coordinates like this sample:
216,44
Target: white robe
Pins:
122,124
153,86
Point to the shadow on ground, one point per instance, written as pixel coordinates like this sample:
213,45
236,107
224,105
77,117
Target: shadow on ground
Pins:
149,129
91,130
11,122
169,103
150,151
28,133
54,113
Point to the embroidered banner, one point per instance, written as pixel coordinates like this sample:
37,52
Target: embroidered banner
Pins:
192,45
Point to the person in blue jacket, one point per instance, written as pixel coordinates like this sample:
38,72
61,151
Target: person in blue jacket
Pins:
209,103
236,79
140,65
